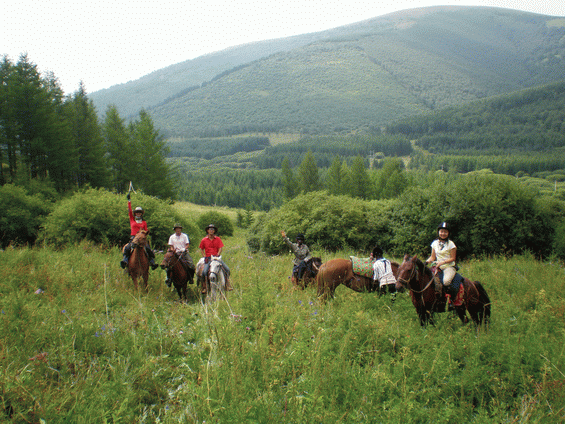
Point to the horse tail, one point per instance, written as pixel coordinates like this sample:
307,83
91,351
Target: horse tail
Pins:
320,280
485,301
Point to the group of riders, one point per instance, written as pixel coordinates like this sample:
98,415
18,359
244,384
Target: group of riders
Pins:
210,246
442,258
443,255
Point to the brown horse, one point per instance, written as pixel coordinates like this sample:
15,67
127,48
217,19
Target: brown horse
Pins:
179,274
419,279
138,264
312,267
340,271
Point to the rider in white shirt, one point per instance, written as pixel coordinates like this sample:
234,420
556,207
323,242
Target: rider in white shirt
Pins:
382,271
179,243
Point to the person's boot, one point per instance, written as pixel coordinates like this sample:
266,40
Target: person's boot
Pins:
228,283
154,266
451,295
124,262
168,281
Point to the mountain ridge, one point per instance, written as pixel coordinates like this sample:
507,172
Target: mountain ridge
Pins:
356,77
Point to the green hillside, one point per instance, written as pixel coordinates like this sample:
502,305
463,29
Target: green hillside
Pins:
357,77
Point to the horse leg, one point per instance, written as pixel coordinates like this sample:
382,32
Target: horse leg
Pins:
460,311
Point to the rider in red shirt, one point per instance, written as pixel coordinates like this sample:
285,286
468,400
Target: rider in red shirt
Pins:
137,223
212,245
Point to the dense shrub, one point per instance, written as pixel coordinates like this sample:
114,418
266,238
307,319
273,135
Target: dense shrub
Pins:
102,217
328,222
21,214
220,220
490,214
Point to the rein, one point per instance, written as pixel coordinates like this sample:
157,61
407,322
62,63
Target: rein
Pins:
412,275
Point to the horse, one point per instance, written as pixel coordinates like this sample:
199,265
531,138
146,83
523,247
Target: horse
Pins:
419,279
340,271
138,264
312,267
179,275
215,279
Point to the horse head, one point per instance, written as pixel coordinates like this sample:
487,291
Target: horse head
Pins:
316,264
407,271
140,238
215,268
168,259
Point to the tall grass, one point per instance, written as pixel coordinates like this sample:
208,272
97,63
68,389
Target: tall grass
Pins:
79,344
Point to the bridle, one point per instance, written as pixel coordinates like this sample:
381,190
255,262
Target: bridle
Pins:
406,283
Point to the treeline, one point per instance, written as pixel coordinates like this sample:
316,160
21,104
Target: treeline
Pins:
533,163
326,148
243,188
524,121
59,140
209,148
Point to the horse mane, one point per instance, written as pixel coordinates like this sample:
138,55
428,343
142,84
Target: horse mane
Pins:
423,268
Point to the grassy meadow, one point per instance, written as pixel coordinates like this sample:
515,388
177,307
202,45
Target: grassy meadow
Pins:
78,344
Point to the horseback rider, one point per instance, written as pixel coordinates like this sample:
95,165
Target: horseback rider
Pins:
212,245
179,243
382,271
444,253
137,223
301,254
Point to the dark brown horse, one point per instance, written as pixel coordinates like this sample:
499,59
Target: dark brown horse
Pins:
340,271
138,264
413,275
179,273
312,267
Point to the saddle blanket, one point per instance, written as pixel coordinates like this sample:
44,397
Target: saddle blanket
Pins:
362,266
456,283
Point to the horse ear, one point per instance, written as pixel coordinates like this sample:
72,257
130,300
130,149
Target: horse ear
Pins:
406,257
414,258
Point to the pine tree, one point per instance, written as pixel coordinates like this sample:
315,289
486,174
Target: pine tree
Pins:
360,181
153,173
308,174
288,180
88,140
120,151
334,181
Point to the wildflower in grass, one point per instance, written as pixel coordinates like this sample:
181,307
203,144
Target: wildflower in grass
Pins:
3,313
38,291
64,311
300,302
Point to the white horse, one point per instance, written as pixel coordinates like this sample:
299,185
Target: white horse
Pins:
216,281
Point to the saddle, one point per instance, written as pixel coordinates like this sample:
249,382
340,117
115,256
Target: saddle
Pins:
456,285
186,261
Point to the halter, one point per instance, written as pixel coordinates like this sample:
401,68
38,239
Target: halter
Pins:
412,274
171,265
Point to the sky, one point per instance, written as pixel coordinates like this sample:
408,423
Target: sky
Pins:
107,42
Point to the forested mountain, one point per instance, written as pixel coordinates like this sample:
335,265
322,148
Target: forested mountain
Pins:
355,77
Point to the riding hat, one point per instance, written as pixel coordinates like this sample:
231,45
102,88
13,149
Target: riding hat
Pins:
211,226
444,226
300,237
177,226
138,209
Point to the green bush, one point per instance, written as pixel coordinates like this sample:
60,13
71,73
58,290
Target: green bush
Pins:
102,217
489,214
328,222
220,220
21,215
